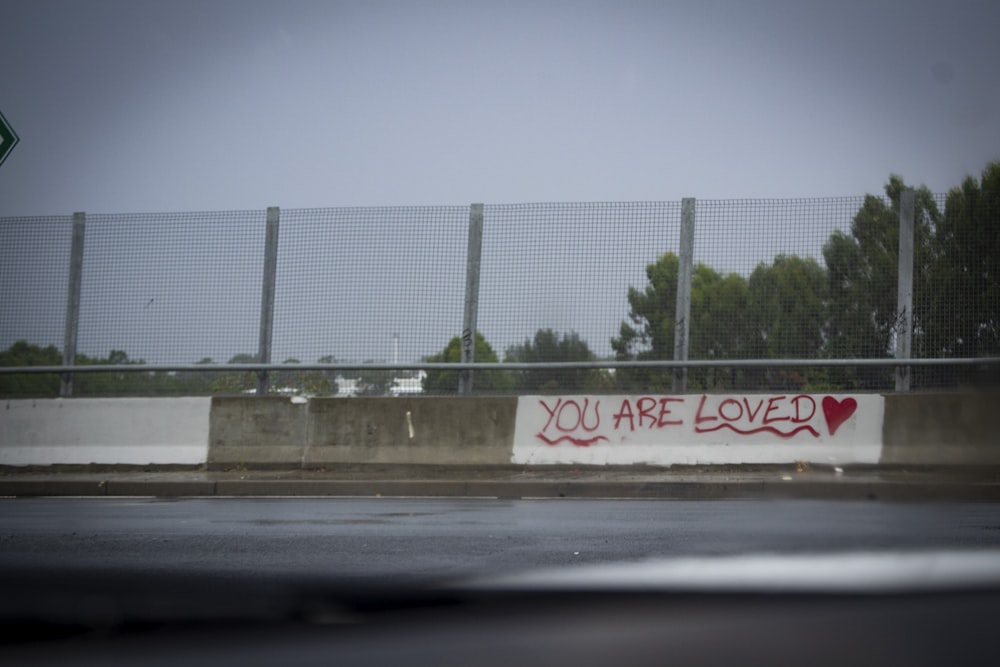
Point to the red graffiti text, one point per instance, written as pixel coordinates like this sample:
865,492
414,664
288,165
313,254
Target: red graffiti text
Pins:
567,416
580,420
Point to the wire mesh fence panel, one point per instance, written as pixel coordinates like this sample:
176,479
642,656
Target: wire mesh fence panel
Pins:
956,291
177,288
34,271
383,285
573,282
761,288
555,285
737,235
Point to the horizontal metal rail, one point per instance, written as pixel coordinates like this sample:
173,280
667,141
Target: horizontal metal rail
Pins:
512,366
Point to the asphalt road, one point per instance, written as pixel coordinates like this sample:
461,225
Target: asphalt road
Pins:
379,581
400,540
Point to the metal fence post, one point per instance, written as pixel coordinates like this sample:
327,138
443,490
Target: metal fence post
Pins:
267,297
73,302
904,289
682,317
472,259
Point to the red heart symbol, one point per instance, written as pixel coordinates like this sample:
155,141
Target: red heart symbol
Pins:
837,412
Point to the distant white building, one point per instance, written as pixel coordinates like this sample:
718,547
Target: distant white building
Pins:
346,387
407,386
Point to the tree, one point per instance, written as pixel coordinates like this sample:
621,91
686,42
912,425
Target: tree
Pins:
718,327
236,382
863,270
446,382
196,383
965,280
125,383
23,353
649,331
312,383
788,317
547,345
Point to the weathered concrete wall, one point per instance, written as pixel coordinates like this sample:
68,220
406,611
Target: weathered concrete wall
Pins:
136,431
275,432
432,430
269,431
942,429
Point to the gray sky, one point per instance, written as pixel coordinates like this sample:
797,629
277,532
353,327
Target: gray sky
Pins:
150,105
129,106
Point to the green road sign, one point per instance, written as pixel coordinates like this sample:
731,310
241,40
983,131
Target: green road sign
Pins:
8,139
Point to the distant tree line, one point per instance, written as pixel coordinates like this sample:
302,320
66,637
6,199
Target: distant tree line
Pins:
148,383
206,382
795,308
546,345
22,353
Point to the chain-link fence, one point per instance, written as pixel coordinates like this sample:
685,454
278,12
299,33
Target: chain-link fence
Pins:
593,286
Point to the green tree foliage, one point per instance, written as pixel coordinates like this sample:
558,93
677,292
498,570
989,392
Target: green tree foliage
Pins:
649,331
237,382
125,383
547,345
22,353
964,285
788,308
863,270
965,289
196,383
144,383
787,315
796,308
719,328
310,383
446,382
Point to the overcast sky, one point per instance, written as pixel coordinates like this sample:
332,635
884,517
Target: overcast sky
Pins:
155,105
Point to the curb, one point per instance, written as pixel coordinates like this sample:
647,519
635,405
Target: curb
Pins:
506,489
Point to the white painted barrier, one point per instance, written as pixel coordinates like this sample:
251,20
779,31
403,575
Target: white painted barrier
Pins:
136,431
698,429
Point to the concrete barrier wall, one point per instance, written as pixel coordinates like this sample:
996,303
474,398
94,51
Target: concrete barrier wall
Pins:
137,431
330,431
276,432
262,432
942,429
